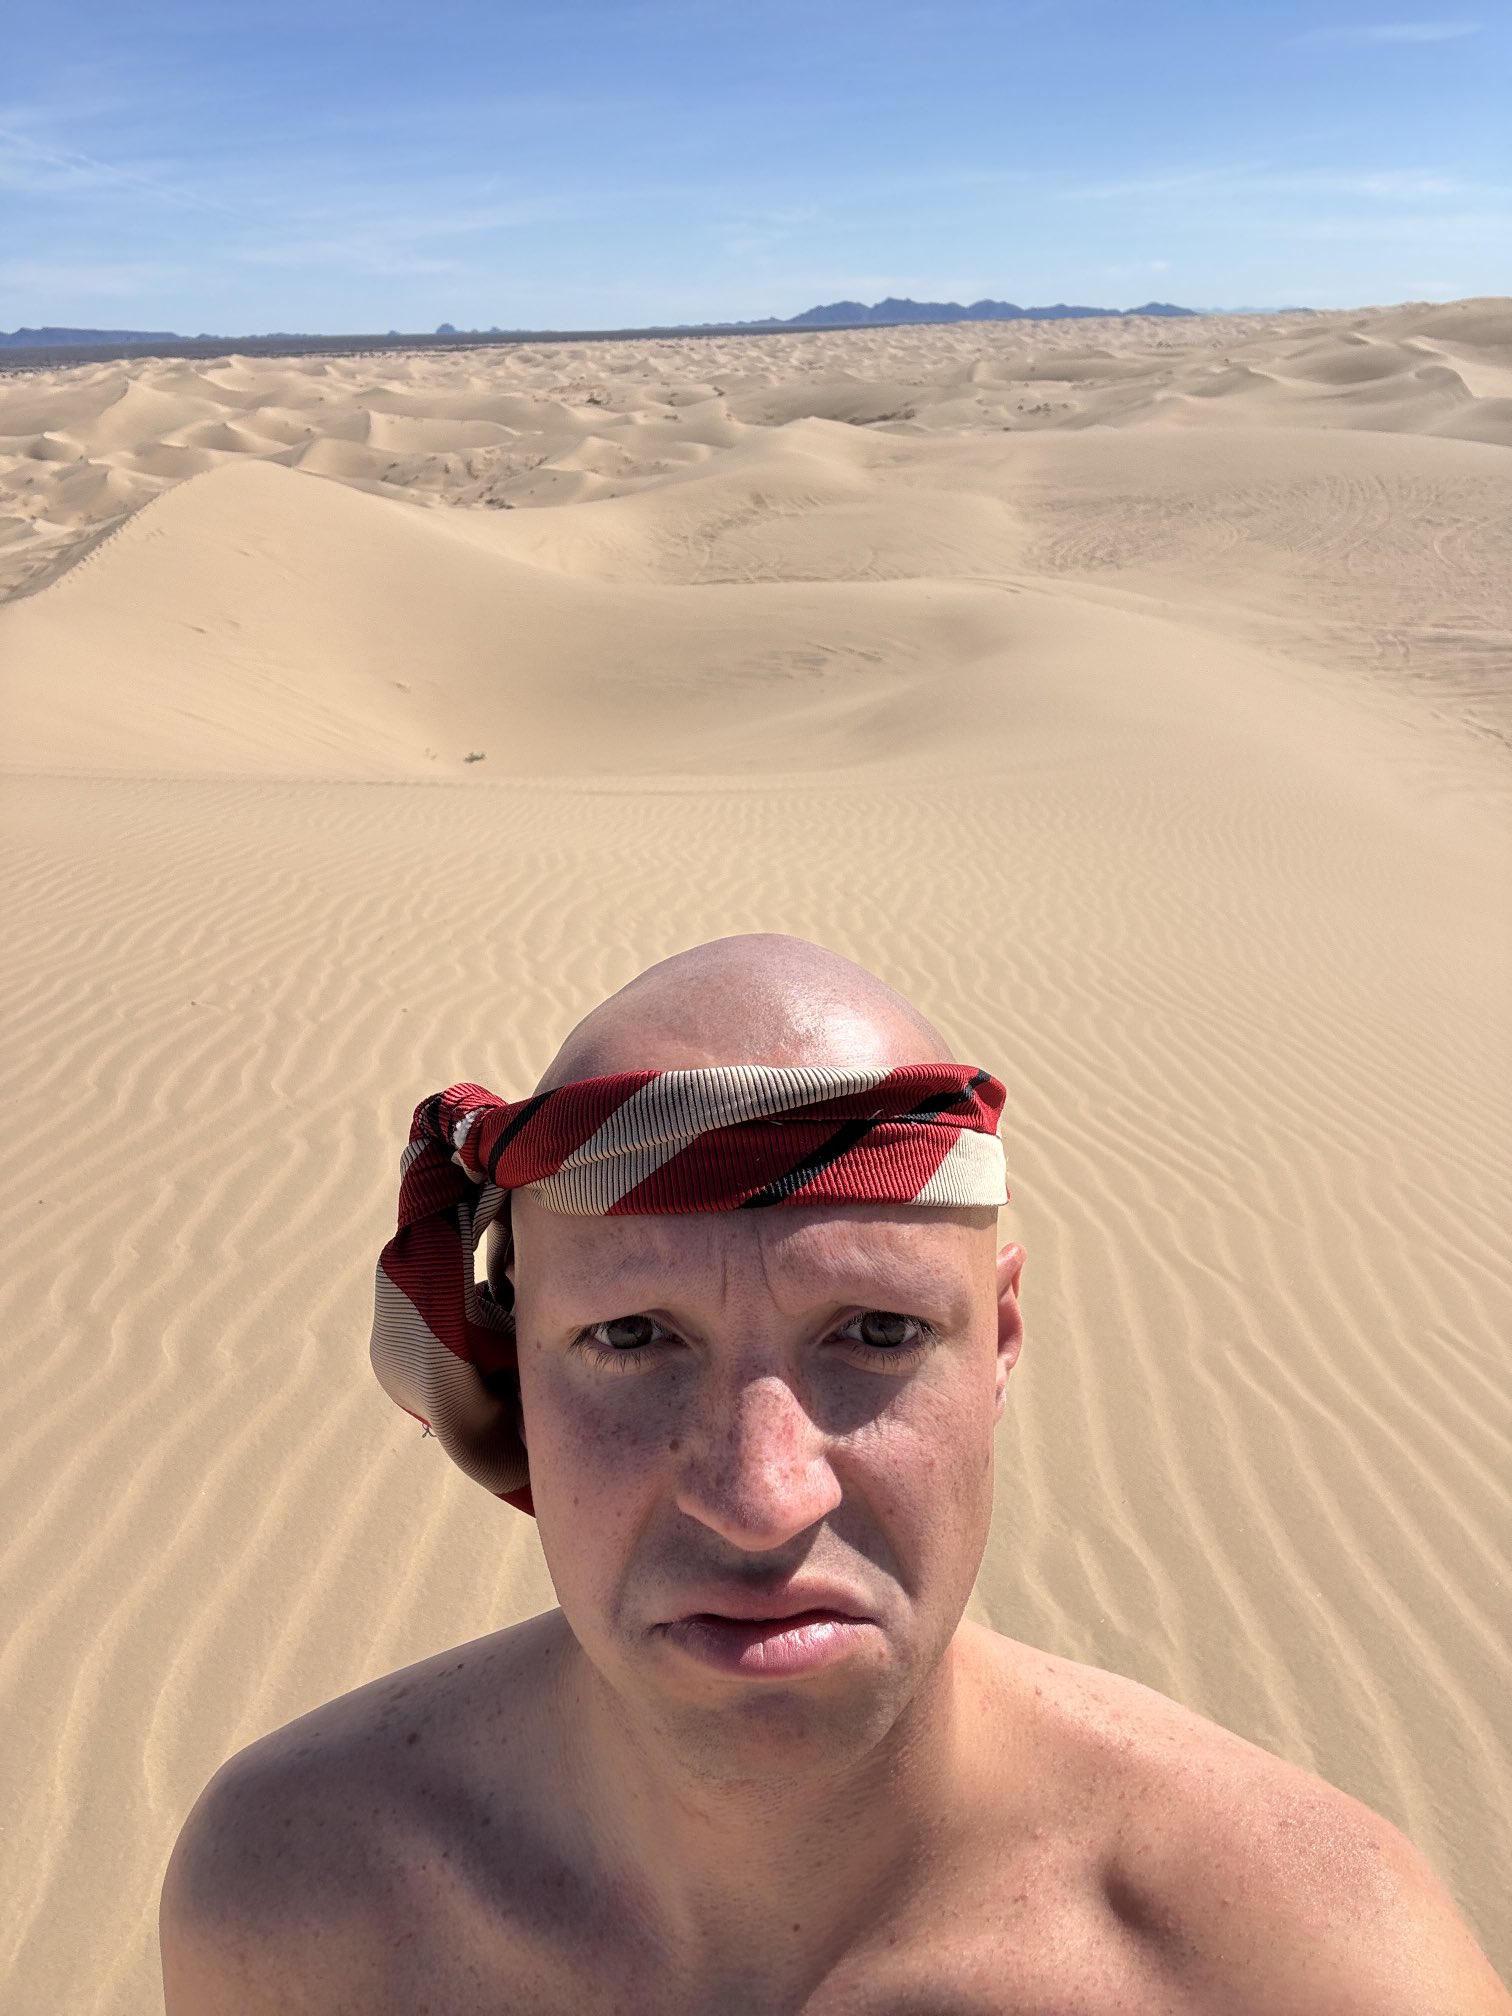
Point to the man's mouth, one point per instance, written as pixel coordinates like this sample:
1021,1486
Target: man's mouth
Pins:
771,1637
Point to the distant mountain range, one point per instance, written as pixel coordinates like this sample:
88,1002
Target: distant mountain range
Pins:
852,314
833,315
49,339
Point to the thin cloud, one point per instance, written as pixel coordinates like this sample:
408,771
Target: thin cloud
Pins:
125,280
36,167
1151,185
1390,185
1470,228
1411,32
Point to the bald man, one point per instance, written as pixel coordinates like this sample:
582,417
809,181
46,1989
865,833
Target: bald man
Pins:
756,1761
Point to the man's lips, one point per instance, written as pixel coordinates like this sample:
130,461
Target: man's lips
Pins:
763,1606
772,1634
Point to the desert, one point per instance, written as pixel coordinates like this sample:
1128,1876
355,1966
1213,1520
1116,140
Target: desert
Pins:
1136,696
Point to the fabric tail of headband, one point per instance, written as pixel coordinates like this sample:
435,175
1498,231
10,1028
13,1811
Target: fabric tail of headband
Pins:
734,1137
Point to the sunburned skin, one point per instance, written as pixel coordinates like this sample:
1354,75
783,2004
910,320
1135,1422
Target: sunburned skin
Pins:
755,1761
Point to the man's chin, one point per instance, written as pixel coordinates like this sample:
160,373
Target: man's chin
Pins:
821,1697
772,1734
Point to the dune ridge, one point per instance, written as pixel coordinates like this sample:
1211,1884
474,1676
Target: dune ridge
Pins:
1161,759
81,446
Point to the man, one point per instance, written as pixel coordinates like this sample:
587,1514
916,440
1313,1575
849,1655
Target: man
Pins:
756,1762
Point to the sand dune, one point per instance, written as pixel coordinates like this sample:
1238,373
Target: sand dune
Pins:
1137,700
1442,370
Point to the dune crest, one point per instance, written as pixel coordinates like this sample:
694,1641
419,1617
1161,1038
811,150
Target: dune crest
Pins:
528,424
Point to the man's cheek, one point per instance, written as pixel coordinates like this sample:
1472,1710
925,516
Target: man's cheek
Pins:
947,1429
593,1450
932,1482
582,1474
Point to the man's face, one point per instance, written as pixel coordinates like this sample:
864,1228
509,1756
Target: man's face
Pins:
761,1459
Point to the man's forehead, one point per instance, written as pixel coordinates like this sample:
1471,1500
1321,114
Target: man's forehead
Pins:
857,1240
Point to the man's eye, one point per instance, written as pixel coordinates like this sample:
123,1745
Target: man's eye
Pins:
885,1330
625,1333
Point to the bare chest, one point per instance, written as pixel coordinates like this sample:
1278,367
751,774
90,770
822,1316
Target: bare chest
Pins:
986,1957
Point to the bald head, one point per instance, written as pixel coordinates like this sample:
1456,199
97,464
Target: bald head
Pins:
760,998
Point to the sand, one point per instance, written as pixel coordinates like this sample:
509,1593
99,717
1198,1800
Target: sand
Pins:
1136,696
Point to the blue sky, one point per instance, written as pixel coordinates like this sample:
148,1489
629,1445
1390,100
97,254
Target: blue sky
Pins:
196,165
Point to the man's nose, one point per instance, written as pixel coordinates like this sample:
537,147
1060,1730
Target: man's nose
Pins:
755,1469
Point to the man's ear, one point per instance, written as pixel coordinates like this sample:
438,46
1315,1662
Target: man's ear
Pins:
500,1261
1010,1271
501,1285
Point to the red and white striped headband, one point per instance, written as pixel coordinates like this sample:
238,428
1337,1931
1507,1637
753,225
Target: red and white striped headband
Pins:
736,1137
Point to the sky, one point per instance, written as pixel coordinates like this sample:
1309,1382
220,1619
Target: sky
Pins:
583,164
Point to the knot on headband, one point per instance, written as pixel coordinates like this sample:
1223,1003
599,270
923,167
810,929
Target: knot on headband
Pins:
736,1137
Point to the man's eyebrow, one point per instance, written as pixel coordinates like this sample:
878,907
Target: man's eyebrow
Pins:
907,1290
629,1266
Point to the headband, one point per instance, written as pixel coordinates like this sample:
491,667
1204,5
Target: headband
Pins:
737,1137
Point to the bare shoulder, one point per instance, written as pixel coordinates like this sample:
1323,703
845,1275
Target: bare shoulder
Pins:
307,1856
1257,1886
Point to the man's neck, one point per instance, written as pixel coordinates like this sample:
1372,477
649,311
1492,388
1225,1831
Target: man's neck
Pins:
784,1867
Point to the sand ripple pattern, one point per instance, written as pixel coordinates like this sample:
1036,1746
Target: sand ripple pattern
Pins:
1257,1451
